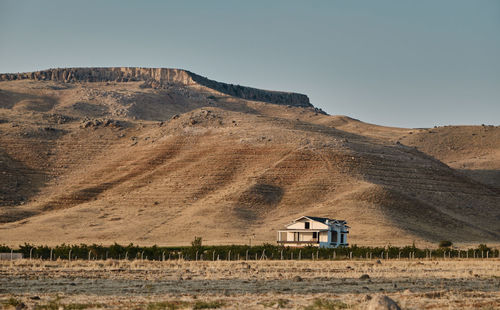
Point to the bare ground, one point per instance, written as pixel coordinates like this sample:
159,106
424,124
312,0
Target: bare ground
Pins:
415,284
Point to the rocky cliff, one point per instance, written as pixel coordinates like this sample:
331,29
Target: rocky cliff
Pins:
158,78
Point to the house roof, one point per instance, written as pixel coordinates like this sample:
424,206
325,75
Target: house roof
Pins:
321,219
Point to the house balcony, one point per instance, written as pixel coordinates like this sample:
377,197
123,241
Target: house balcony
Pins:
300,242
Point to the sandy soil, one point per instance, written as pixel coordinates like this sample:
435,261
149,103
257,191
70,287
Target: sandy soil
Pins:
423,284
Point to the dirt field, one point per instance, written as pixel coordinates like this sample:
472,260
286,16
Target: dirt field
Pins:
424,284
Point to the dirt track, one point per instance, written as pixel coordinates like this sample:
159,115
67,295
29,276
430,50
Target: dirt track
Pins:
257,285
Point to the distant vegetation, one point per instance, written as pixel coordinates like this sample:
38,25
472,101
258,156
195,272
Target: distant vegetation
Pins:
233,252
445,244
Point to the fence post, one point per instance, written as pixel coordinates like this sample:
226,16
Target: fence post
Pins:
11,254
399,255
229,255
126,255
31,249
281,254
213,255
89,256
291,255
300,254
246,255
69,255
487,254
350,255
163,256
196,258
50,253
312,256
334,254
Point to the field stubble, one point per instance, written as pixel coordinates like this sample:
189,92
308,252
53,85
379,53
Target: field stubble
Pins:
414,284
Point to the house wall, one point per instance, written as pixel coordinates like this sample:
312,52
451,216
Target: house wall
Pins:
283,236
306,236
313,224
303,236
323,236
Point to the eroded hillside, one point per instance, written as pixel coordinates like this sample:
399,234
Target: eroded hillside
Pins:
158,157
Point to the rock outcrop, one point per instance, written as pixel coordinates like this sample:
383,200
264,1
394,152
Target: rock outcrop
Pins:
158,78
293,99
382,302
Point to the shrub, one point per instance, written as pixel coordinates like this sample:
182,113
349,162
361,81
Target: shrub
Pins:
483,247
168,305
196,243
207,304
445,244
325,304
12,302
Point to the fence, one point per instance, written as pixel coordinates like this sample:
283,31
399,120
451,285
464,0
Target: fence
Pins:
242,252
11,256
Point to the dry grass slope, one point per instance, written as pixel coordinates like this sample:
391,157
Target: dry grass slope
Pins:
116,161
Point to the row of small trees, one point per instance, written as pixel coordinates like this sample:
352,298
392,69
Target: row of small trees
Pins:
197,251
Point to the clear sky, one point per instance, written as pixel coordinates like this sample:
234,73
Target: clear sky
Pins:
400,63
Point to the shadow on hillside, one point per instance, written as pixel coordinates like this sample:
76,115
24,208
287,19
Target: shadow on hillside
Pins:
257,200
19,184
489,177
10,100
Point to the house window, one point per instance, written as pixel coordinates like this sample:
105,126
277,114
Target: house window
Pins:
315,235
341,238
306,225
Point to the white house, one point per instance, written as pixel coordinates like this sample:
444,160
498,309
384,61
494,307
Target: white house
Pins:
316,231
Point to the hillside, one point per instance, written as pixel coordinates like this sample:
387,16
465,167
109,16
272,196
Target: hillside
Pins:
162,155
473,150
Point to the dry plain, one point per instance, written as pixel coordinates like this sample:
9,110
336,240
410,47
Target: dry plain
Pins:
112,284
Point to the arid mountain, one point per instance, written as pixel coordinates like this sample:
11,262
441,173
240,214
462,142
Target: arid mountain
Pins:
162,155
